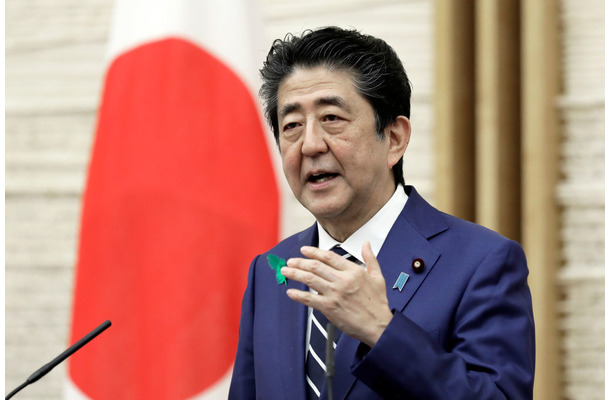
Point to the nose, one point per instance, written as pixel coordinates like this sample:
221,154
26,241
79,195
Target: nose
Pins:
314,142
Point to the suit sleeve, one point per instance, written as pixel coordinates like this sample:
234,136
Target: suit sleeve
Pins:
243,379
489,354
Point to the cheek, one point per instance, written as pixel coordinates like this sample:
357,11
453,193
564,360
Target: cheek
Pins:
291,161
365,162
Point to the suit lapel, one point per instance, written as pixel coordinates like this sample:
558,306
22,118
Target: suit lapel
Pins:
397,256
406,241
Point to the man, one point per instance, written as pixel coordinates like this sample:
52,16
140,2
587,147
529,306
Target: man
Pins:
427,306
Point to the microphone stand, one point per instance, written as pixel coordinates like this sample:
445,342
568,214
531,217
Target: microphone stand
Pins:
49,366
330,359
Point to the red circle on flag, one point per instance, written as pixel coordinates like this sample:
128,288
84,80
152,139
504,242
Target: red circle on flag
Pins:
181,195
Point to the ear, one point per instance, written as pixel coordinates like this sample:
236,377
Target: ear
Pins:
399,134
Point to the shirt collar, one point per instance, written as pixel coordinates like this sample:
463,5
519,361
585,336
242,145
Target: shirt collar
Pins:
375,230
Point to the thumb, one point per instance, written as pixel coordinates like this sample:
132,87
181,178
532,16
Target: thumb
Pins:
372,265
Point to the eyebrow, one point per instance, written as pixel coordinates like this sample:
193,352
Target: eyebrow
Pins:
288,108
328,101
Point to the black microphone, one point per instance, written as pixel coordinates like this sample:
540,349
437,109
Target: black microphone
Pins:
72,349
330,358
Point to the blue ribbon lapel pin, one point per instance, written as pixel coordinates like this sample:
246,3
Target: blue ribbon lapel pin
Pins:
400,282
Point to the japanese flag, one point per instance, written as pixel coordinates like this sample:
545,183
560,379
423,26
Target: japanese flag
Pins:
181,194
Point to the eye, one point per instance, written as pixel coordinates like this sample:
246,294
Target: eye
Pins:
289,126
331,118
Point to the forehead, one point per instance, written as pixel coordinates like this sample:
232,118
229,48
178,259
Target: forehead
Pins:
307,85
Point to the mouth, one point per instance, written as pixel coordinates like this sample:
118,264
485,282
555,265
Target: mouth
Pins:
321,177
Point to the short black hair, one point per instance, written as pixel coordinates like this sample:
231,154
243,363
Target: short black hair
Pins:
377,72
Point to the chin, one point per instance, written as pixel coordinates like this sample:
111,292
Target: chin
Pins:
324,206
324,212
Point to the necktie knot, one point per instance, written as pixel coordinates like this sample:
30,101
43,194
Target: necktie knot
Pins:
340,250
343,253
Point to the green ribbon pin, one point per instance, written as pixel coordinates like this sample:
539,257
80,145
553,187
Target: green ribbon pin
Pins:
276,263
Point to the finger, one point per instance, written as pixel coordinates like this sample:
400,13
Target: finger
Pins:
314,281
372,265
304,297
297,295
326,256
315,267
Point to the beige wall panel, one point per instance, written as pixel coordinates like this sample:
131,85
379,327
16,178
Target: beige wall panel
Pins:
580,193
454,104
498,117
540,135
54,65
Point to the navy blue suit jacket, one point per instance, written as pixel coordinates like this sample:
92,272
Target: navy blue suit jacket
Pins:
462,328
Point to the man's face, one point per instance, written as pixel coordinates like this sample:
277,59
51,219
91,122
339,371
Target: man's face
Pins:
333,161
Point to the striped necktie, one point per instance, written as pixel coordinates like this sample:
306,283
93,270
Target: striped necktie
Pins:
316,351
